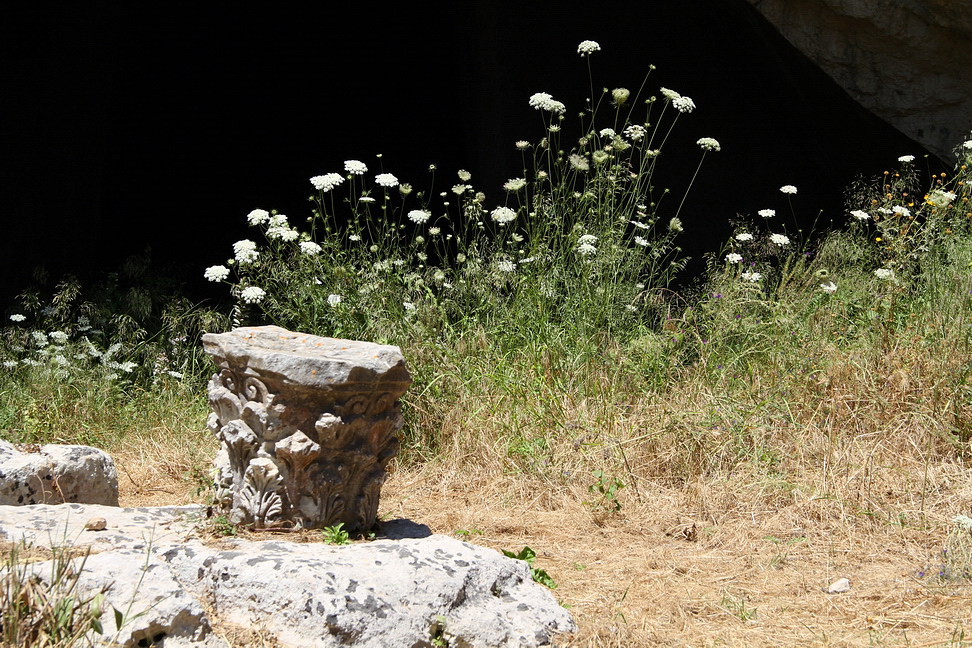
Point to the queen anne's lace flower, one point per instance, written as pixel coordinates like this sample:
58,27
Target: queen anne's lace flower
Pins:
543,101
709,144
418,216
579,162
683,104
675,225
671,95
253,295
884,273
464,175
939,198
503,215
744,236
17,317
733,257
788,189
906,159
505,265
780,239
258,216
245,251
333,300
522,145
642,241
327,181
355,167
767,213
216,273
901,211
751,276
828,287
588,47
515,184
860,215
635,132
386,180
310,248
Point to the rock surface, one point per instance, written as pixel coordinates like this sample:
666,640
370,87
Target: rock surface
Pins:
407,588
55,474
909,61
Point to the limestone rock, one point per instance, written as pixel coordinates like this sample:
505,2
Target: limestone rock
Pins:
56,474
407,588
909,62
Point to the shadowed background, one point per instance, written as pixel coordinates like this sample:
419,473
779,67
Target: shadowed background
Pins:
136,127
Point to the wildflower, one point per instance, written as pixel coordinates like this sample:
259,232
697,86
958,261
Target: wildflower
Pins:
635,132
967,144
600,157
278,220
174,374
683,104
505,265
780,239
751,276
460,189
579,162
860,215
245,251
901,211
464,175
767,213
522,145
939,198
216,273
671,95
327,181
418,216
620,95
884,273
906,158
282,233
333,300
503,215
405,189
829,287
258,216
422,256
639,225
253,295
310,248
675,225
434,231
788,189
744,236
409,306
460,258
734,257
10,364
515,184
640,240
543,101
366,199
17,317
963,521
709,144
386,180
607,132
355,167
586,249
588,47
354,237
60,337
516,238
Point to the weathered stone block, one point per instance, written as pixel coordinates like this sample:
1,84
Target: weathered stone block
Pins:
55,474
307,426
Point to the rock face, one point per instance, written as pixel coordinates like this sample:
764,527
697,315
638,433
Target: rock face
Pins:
909,61
402,589
55,474
307,426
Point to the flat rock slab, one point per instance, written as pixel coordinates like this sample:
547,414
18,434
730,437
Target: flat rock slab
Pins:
399,590
53,474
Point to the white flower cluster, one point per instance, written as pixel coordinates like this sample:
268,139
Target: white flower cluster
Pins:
245,251
17,317
503,215
585,245
355,167
635,132
675,225
310,248
515,184
253,295
386,180
780,239
767,213
788,189
333,300
901,211
709,144
683,104
505,265
939,198
671,95
543,101
733,257
828,287
579,162
258,216
884,273
751,276
588,47
607,133
642,241
620,95
418,216
744,236
327,181
216,273
906,159
860,215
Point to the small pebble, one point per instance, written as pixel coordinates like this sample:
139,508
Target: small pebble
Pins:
96,524
838,587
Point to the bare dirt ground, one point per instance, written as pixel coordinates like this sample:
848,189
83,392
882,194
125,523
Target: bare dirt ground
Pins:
713,564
